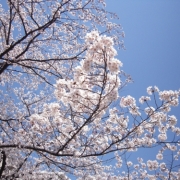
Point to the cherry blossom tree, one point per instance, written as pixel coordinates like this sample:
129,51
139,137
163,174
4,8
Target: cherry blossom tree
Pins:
61,110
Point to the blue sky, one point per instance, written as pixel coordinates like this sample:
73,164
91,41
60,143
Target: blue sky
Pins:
152,41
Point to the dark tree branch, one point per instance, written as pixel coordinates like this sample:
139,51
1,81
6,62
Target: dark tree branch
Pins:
3,163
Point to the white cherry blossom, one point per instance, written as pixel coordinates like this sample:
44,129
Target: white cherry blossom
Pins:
62,112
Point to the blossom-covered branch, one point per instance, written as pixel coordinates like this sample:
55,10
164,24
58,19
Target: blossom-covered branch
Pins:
61,109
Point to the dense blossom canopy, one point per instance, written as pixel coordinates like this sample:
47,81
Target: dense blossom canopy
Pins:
61,110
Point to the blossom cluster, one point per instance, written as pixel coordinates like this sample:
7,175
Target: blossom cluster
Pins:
95,81
130,102
101,52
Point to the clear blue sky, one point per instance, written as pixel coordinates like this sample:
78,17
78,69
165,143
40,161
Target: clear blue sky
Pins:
152,41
